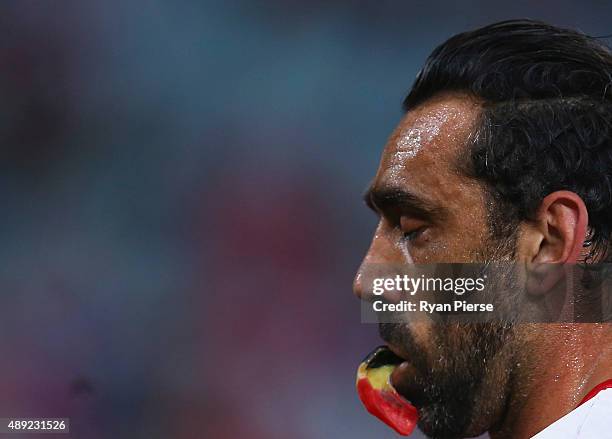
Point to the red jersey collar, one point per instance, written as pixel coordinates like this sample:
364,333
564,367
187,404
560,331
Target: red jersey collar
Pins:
598,388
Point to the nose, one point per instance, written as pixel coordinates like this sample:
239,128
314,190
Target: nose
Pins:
359,283
381,259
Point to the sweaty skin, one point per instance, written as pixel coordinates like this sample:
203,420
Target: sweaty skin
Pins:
548,368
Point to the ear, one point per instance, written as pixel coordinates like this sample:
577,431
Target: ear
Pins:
563,220
558,235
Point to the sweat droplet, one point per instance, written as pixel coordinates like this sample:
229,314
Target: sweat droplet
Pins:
424,130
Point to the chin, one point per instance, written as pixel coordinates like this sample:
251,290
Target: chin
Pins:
436,422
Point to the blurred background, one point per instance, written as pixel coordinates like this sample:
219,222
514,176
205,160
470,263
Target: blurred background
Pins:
181,215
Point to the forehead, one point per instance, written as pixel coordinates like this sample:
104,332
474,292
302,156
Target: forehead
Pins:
425,146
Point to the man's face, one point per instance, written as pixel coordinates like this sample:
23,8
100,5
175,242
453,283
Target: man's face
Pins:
430,213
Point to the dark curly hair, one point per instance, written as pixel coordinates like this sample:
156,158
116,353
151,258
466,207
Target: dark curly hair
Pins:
546,119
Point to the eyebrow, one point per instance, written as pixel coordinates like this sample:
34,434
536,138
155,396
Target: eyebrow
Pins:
392,199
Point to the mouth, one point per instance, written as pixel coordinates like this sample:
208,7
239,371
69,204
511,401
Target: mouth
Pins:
376,391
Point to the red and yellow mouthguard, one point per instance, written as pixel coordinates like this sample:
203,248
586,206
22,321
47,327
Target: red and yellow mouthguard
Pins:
378,395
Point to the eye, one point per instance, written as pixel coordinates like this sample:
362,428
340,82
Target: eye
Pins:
414,234
411,228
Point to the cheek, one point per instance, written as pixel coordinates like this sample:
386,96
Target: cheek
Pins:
467,245
467,231
455,243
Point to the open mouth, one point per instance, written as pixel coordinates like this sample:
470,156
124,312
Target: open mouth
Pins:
378,394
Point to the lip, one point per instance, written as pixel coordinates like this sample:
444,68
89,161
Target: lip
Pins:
382,355
405,380
397,351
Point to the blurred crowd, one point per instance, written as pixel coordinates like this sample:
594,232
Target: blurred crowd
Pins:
181,216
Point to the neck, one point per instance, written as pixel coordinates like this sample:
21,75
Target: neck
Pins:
565,363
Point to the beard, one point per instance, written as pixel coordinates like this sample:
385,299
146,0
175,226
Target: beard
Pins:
448,388
461,372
